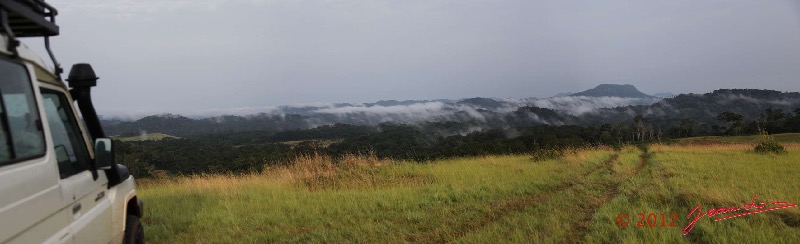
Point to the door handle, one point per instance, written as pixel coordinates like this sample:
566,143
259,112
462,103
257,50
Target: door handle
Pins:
76,208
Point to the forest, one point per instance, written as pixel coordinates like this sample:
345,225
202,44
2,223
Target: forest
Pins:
247,151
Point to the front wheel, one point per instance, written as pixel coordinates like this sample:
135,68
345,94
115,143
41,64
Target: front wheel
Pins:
134,233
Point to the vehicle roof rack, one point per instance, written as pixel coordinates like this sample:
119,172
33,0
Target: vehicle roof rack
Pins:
29,18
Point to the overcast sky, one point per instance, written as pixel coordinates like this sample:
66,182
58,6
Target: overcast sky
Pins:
186,56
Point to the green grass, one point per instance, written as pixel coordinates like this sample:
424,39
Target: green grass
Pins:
781,138
145,137
487,199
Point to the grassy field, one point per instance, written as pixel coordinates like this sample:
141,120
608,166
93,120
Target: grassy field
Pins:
145,137
782,138
577,198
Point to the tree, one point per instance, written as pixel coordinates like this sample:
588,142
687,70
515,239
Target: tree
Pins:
793,123
734,120
687,128
773,120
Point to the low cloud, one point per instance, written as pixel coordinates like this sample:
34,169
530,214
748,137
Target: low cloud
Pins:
579,105
413,112
410,113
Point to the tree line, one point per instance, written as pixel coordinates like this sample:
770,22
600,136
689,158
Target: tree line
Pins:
253,150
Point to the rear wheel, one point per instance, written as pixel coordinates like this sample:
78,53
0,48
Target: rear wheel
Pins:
134,233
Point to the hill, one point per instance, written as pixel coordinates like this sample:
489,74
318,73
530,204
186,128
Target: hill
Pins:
697,113
476,112
613,90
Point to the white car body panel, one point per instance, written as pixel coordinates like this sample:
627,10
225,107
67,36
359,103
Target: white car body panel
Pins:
36,206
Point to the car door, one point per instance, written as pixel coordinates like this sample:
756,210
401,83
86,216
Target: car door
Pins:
89,207
30,194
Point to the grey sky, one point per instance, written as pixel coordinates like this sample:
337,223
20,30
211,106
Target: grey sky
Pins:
188,56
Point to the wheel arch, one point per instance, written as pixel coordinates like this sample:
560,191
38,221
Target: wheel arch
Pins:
135,207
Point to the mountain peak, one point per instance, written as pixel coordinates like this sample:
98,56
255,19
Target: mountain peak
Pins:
613,90
485,103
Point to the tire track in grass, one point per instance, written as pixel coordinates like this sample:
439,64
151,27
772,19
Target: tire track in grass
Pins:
506,208
580,228
644,159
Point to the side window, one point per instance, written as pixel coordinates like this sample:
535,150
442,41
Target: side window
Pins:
70,149
21,135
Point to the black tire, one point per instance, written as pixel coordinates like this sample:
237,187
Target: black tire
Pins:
134,233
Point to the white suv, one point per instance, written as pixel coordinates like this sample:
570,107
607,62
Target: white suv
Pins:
59,182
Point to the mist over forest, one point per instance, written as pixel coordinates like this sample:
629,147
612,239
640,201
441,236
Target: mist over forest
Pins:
594,107
609,115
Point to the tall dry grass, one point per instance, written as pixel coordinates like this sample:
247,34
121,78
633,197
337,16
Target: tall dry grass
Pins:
317,171
314,171
544,154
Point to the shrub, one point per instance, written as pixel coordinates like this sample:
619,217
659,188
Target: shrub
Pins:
769,145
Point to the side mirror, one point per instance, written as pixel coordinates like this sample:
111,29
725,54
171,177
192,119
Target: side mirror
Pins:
104,153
